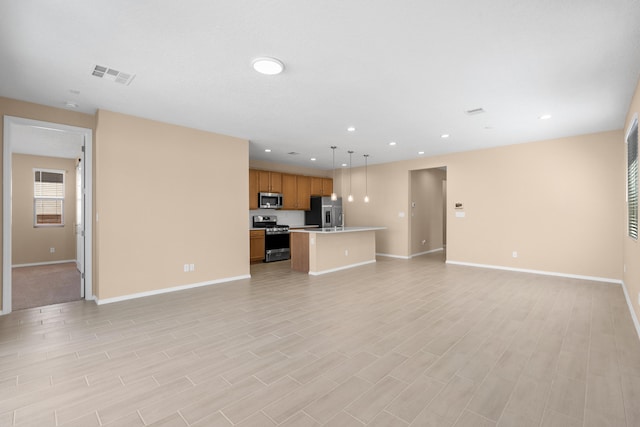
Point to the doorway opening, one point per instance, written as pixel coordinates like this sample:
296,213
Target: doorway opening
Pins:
47,202
428,226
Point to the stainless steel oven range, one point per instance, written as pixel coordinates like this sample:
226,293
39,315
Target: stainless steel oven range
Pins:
276,238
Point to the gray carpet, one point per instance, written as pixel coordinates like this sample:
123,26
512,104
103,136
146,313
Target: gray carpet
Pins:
44,285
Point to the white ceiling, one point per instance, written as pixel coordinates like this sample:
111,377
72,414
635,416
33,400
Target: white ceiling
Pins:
45,141
403,71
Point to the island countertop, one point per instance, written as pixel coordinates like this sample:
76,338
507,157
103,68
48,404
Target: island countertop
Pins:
330,230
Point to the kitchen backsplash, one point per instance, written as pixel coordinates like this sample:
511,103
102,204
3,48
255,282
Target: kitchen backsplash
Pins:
290,218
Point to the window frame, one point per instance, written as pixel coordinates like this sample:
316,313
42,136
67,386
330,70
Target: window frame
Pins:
56,198
632,180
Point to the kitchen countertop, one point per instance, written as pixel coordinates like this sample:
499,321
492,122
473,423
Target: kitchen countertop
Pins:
331,230
291,227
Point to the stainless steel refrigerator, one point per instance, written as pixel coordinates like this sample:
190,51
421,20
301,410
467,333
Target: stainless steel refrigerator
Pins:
324,212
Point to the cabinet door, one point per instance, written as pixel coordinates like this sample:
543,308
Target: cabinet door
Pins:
256,245
275,182
264,184
253,189
304,192
289,192
316,186
327,186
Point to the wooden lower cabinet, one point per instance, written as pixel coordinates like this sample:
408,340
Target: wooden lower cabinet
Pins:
256,245
300,252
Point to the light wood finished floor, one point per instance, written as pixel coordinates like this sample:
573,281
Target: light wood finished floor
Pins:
395,343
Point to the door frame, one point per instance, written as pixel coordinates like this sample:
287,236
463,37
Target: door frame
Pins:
9,123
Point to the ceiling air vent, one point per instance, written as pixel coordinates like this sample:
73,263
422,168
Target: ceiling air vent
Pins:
475,111
293,153
113,75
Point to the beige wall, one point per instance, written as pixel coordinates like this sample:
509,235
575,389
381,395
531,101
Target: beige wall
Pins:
31,244
292,169
558,203
426,210
12,107
631,247
167,196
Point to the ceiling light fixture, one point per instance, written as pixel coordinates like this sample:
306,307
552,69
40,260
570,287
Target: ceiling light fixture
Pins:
366,179
267,150
392,143
313,159
344,165
268,66
545,117
421,152
351,129
70,104
350,198
334,196
445,136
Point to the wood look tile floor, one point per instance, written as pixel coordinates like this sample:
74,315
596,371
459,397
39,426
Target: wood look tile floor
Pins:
396,343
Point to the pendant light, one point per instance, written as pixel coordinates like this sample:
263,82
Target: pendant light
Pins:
350,198
333,165
366,176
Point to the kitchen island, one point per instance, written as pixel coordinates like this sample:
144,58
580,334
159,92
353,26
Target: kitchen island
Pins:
324,250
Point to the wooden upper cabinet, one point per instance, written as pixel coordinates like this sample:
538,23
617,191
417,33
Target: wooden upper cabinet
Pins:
327,186
321,186
269,182
304,192
296,192
316,186
253,189
289,192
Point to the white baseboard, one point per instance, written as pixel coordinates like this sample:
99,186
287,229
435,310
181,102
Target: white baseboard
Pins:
35,264
542,272
631,310
393,256
168,290
427,252
318,273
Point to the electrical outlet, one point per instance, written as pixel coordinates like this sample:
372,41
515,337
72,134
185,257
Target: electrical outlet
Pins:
186,268
52,250
346,252
192,267
514,254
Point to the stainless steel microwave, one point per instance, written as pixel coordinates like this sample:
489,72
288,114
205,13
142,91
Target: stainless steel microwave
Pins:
270,200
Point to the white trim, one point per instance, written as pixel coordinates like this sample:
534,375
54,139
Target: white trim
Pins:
169,290
544,273
318,273
393,256
9,122
427,252
35,264
631,310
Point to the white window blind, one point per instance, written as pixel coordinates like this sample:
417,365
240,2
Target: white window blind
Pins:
48,200
632,179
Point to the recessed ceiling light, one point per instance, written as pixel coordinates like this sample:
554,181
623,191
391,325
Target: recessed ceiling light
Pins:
351,129
313,159
392,143
267,150
421,152
268,66
445,135
545,117
344,165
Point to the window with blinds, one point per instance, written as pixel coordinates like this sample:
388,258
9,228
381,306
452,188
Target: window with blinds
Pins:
48,198
632,178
